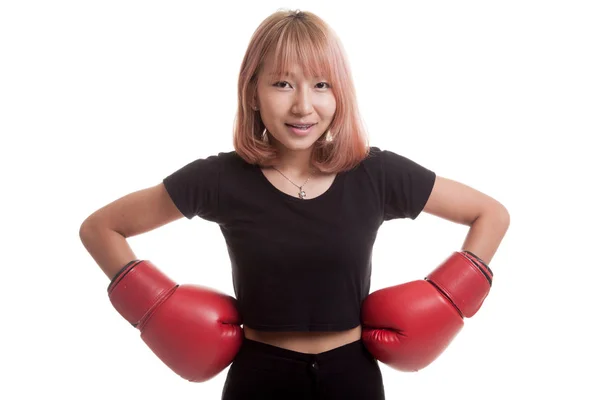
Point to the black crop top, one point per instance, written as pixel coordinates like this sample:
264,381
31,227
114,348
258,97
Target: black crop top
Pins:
300,265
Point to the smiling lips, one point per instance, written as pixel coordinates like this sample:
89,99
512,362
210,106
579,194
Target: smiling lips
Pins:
300,129
302,126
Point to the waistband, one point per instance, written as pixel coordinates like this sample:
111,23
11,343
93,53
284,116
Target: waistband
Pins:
255,351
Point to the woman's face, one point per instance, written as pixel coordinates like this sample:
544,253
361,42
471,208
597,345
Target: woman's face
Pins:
294,99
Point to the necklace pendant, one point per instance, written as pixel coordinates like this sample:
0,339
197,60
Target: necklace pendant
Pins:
302,194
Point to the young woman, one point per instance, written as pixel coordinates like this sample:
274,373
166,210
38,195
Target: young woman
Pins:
299,202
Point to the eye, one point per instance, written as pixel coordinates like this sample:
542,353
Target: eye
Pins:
280,83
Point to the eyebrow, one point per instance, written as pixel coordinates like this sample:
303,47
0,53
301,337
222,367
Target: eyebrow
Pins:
287,73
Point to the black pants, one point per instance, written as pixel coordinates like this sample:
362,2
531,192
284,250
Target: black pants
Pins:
265,372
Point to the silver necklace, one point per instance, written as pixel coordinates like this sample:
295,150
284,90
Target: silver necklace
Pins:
301,192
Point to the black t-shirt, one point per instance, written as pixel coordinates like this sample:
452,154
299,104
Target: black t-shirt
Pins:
300,264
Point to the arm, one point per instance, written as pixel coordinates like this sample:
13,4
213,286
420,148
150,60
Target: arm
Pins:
408,326
194,330
104,232
487,218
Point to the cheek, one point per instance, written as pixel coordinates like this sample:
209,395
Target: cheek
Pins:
329,105
333,109
276,105
329,111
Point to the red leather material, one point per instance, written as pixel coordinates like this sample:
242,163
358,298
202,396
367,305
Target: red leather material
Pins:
193,329
409,325
463,282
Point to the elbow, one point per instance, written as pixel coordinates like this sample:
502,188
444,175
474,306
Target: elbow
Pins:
84,230
87,228
504,216
501,216
496,213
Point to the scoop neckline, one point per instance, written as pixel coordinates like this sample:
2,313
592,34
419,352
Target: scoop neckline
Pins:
289,197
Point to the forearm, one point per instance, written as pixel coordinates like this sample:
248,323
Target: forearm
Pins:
108,248
486,233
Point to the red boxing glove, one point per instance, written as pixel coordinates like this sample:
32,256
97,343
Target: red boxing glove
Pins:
194,330
409,325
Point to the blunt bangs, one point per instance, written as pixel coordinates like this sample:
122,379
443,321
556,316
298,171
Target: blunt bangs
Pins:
300,45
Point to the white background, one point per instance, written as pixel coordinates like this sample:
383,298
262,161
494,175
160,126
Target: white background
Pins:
100,99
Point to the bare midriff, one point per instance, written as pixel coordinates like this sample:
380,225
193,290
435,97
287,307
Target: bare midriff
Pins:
305,342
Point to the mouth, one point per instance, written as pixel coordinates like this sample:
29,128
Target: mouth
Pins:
300,129
300,126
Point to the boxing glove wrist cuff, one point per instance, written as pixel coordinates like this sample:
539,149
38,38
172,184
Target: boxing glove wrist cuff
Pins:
479,263
121,273
465,280
138,289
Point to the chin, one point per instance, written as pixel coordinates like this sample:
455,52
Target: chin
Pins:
297,143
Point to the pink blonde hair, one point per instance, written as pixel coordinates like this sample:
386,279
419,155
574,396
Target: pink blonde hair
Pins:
302,38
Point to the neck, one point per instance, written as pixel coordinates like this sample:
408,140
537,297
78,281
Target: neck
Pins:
296,163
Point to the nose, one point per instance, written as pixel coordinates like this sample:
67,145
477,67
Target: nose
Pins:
302,102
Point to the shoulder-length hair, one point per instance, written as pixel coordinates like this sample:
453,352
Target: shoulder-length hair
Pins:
300,38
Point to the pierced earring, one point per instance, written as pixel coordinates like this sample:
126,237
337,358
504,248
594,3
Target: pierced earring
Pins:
328,136
264,137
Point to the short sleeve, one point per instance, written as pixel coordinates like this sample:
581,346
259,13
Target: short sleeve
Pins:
194,188
407,186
